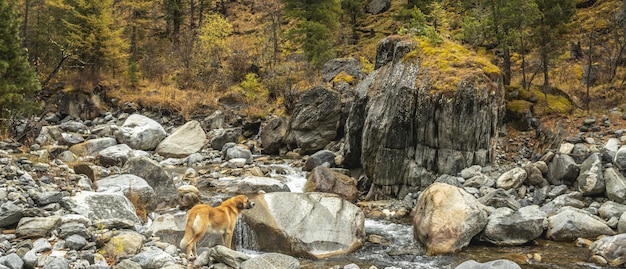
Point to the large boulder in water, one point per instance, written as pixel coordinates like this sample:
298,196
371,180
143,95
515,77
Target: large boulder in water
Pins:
311,225
141,132
446,218
187,139
315,120
404,118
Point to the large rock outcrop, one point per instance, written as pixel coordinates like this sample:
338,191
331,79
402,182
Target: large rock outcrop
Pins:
401,124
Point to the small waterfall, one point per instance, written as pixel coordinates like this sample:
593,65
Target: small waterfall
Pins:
244,237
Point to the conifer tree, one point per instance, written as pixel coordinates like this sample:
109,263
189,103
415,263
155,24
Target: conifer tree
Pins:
18,83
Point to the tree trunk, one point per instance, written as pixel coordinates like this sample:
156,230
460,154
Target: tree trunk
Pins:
25,22
507,65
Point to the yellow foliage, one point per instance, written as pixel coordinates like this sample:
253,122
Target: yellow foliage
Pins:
343,77
366,65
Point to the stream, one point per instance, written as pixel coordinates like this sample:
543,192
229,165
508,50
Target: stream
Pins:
402,251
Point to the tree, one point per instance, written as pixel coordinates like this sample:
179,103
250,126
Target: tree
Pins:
211,48
316,21
354,10
18,83
549,29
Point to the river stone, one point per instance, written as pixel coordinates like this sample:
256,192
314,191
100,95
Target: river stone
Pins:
591,180
49,135
611,248
254,184
96,205
92,146
535,175
319,158
236,151
75,242
510,228
11,261
566,148
187,139
573,199
70,139
271,260
562,170
131,186
324,179
273,134
500,198
621,224
571,223
141,132
315,119
495,264
446,218
35,227
610,209
472,171
114,155
154,174
512,178
310,225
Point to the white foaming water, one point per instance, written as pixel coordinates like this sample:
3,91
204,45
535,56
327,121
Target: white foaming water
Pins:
294,178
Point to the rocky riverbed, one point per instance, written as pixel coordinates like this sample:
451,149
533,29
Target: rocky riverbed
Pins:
110,193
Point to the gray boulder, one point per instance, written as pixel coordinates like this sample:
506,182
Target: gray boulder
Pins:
319,158
615,185
573,199
253,184
130,186
611,248
114,155
11,261
228,256
35,227
219,137
350,66
571,223
610,209
562,170
315,119
591,179
323,179
95,206
141,132
153,174
512,178
273,134
153,258
10,214
508,227
311,225
447,218
187,139
236,151
500,198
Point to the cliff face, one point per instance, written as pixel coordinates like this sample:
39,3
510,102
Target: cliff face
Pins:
404,133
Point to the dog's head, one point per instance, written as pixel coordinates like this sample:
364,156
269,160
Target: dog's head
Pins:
243,202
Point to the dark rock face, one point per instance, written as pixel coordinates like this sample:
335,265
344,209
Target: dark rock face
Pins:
398,125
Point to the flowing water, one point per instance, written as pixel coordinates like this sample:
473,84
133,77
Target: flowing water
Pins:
402,251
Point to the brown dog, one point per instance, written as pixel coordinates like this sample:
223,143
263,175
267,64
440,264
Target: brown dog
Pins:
202,218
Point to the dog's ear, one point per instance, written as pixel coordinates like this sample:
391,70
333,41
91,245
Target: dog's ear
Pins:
241,204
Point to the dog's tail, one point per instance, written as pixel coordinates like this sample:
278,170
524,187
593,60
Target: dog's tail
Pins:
184,243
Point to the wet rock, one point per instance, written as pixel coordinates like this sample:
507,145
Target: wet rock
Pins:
319,158
255,184
611,249
141,132
116,155
591,179
496,264
509,227
314,225
271,260
570,223
615,185
235,151
273,134
447,218
323,179
187,139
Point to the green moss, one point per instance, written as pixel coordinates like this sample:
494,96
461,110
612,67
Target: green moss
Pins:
519,107
343,77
